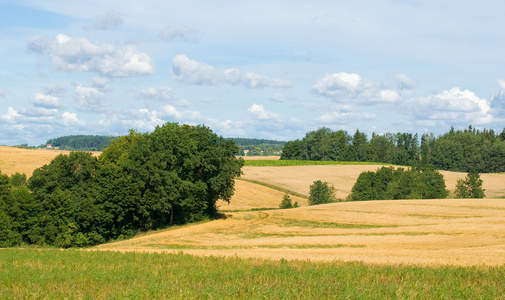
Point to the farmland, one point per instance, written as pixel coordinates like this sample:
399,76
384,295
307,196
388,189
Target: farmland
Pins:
388,249
429,232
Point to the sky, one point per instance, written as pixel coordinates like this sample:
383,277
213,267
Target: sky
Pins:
252,69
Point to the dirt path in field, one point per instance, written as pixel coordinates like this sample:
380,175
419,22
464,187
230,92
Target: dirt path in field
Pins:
420,232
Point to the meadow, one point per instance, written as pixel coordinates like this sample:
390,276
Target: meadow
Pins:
74,274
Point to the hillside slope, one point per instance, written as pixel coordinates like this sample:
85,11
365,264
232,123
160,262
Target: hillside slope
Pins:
420,232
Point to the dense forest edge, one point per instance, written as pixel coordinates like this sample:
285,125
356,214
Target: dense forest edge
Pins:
457,150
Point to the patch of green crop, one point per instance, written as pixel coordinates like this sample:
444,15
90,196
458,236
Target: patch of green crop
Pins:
286,163
74,274
316,224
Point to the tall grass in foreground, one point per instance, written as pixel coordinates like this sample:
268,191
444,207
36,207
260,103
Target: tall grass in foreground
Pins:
55,274
285,163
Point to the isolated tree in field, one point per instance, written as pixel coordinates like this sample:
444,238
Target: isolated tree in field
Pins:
287,202
470,187
321,192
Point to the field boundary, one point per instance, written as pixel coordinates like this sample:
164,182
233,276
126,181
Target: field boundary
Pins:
274,187
293,163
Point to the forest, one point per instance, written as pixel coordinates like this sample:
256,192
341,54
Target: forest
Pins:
141,182
81,142
457,150
247,146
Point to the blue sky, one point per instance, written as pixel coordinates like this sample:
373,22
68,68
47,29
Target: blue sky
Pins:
259,69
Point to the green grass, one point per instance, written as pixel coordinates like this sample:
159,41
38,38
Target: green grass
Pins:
315,224
285,163
288,246
73,274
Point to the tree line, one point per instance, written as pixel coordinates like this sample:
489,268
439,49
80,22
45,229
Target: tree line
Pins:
458,150
81,142
141,182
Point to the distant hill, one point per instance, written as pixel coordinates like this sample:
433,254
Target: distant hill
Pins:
81,142
249,146
255,147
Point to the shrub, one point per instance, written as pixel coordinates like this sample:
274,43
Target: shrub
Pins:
321,192
287,202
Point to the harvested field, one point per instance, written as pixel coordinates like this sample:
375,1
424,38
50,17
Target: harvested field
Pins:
420,232
253,196
23,160
343,177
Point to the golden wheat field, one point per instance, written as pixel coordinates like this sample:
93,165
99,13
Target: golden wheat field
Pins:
421,232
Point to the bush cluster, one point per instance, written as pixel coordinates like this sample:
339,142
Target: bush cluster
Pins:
388,183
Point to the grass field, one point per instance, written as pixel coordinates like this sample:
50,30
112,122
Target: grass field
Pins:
73,274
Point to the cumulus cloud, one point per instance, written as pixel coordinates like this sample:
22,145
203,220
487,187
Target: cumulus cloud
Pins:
58,90
278,98
107,21
454,106
178,33
498,99
89,98
33,117
163,94
199,73
344,117
79,55
46,101
404,82
259,112
350,87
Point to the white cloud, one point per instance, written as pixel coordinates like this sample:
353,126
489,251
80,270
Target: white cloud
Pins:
350,87
89,98
11,116
46,101
70,119
457,100
278,98
259,112
39,112
453,107
199,73
404,82
163,94
498,99
55,90
344,117
79,55
107,21
178,33
389,96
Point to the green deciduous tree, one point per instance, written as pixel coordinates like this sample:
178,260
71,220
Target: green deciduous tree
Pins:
287,202
321,192
470,187
388,183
